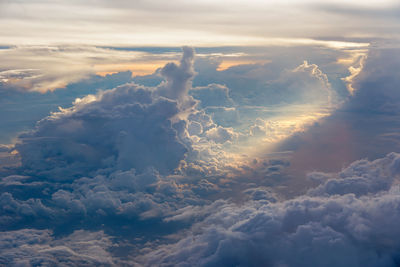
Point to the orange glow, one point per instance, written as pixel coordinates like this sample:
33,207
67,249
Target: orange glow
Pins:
139,68
226,64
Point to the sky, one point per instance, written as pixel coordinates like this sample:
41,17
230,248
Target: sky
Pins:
199,133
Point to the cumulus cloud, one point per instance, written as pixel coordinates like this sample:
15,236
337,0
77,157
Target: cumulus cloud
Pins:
122,197
349,219
214,95
365,126
221,135
178,78
351,224
361,177
304,84
116,154
120,155
128,127
286,78
22,109
109,129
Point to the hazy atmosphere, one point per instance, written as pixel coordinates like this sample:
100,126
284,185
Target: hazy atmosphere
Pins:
199,133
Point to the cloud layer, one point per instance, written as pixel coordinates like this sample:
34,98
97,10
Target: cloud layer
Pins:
179,22
141,175
348,220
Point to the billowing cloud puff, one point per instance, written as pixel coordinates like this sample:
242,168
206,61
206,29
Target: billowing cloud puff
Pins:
125,127
221,135
304,84
213,95
38,105
350,220
352,223
178,78
271,84
128,127
360,178
123,196
224,116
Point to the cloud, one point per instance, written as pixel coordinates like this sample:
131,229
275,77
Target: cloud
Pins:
29,247
144,175
285,80
304,84
178,78
221,135
376,85
349,219
362,177
217,89
21,109
351,224
4,148
128,127
121,154
43,68
118,155
214,95
155,22
346,218
365,126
